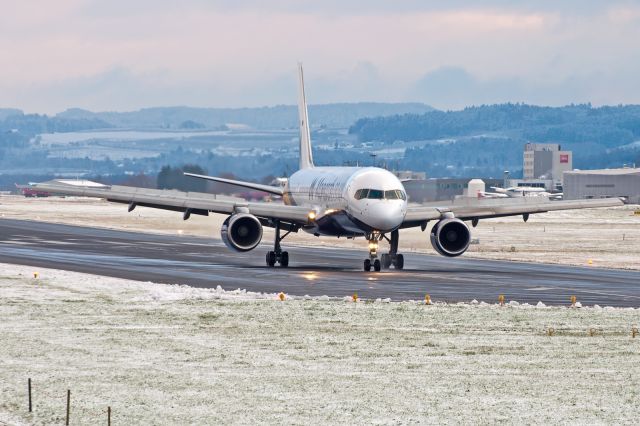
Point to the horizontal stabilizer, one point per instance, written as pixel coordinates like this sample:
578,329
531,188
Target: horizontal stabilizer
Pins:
257,186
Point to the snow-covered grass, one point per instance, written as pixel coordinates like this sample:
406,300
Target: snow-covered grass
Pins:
162,354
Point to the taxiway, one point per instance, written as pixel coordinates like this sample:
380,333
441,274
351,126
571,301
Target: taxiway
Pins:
203,262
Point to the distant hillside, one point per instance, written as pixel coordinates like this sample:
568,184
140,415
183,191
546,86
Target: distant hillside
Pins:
490,134
340,115
8,112
611,126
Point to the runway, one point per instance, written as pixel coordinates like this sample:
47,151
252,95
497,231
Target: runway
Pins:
203,262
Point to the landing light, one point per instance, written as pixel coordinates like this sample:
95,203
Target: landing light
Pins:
373,246
312,215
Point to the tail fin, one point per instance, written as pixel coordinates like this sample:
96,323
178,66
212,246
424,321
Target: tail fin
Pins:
306,157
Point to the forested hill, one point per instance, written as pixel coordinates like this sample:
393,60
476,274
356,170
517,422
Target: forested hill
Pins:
609,126
338,115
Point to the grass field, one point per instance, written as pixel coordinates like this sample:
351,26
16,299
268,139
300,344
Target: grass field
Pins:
162,354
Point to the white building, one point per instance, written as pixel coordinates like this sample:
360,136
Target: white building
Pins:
546,161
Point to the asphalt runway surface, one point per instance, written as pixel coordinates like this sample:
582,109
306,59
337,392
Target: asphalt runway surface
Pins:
203,262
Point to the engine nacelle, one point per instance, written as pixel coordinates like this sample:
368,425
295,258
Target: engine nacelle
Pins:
450,237
241,232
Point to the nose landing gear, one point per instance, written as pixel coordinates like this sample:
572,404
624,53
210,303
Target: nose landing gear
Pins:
373,260
386,259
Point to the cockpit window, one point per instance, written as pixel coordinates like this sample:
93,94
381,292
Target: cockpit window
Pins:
376,194
391,195
361,193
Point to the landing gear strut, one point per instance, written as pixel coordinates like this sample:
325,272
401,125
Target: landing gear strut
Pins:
393,257
373,260
277,255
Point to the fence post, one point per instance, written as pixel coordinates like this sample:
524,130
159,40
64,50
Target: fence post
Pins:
68,404
30,406
108,416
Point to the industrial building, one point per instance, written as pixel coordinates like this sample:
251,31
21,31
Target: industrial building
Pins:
546,161
603,183
441,189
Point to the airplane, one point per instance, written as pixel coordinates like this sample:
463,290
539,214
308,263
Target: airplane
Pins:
521,191
349,202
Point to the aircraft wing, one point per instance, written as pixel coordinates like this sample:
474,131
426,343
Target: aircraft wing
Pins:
257,186
187,202
471,209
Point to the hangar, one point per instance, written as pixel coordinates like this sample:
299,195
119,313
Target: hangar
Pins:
623,182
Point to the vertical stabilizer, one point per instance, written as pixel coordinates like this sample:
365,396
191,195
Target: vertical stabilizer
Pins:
306,158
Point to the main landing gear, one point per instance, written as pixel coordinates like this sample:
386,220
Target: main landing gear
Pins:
386,259
277,255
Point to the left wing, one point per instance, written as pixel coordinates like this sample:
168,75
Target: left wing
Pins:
257,186
476,209
186,202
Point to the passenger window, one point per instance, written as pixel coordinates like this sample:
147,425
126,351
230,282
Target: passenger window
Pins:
376,194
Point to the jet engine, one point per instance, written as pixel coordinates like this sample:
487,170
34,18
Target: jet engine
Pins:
450,237
241,232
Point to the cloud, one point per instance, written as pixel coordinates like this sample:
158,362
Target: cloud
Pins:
122,55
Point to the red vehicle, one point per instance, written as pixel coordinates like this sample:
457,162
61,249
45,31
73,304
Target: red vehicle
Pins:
28,191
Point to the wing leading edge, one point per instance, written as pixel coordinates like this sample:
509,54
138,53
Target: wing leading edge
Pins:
487,208
187,202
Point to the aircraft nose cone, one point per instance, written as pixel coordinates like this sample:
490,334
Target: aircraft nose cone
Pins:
385,215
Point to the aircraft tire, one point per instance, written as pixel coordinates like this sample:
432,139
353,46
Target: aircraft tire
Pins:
271,258
399,263
367,265
284,259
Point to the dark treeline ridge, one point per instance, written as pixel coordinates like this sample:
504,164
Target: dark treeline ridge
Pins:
611,126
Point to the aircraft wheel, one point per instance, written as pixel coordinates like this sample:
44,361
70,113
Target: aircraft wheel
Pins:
399,263
376,265
271,258
367,265
284,259
386,261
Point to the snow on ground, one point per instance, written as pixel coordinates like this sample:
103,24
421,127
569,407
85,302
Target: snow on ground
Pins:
608,237
163,354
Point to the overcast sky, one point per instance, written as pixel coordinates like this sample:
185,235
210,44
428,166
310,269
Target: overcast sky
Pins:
128,54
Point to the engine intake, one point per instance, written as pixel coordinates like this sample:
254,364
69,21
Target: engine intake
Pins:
241,232
450,237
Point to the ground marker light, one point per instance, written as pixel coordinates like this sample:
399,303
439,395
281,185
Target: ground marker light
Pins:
573,301
427,300
36,275
592,332
551,331
634,332
501,299
590,262
354,297
282,296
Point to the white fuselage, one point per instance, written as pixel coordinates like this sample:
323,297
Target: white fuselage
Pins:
348,200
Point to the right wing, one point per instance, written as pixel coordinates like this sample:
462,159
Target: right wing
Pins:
187,202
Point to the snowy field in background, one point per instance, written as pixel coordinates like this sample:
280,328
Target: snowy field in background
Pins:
163,354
